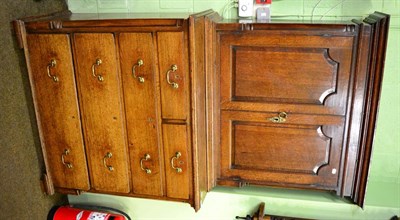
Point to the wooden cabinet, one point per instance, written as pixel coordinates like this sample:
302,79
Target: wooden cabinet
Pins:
283,103
114,99
290,104
169,107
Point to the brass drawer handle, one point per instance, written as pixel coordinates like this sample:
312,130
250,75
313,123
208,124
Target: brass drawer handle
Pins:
177,156
174,68
67,164
138,64
107,156
281,118
51,65
98,76
145,158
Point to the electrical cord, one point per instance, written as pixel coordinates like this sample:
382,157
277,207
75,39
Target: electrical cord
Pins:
331,9
228,6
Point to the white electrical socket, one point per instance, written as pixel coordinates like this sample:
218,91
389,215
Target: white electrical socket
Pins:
246,8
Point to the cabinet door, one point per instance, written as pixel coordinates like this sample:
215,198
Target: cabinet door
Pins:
302,151
53,84
308,74
172,52
138,71
177,161
102,111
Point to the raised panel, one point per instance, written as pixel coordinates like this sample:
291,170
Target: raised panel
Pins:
270,74
172,50
300,149
141,114
303,151
307,74
177,161
56,104
102,111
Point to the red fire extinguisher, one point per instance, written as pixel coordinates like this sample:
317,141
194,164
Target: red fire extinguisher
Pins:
69,212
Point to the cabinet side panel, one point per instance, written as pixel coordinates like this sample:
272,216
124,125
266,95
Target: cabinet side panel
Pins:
56,103
140,105
102,111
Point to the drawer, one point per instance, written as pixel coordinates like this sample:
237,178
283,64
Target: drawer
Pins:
259,70
304,150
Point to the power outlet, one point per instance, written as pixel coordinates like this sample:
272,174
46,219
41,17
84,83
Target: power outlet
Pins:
246,8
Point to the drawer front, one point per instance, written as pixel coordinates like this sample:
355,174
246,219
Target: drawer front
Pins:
172,52
177,161
302,151
56,104
312,71
102,111
137,52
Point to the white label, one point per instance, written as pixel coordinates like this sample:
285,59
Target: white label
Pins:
97,216
79,215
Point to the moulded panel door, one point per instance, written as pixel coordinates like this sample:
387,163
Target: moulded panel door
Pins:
173,66
302,151
308,74
102,111
177,161
54,91
137,52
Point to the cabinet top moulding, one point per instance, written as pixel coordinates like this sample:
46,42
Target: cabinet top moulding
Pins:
66,22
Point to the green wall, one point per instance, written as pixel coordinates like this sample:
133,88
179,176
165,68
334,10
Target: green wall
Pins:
383,191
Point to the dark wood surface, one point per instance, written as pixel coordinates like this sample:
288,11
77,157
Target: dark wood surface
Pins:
326,77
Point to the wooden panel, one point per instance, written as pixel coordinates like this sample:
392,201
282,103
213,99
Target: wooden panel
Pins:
102,111
172,50
141,117
299,75
301,149
303,70
305,150
175,140
57,108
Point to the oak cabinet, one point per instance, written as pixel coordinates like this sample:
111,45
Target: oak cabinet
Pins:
283,103
294,104
113,99
167,107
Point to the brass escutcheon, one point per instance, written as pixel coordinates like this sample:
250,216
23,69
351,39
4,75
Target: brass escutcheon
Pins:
281,118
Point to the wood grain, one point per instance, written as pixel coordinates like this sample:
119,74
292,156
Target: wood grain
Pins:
141,115
102,111
175,140
172,50
57,108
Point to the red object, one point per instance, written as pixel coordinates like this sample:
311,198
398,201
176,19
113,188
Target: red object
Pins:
263,1
69,213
